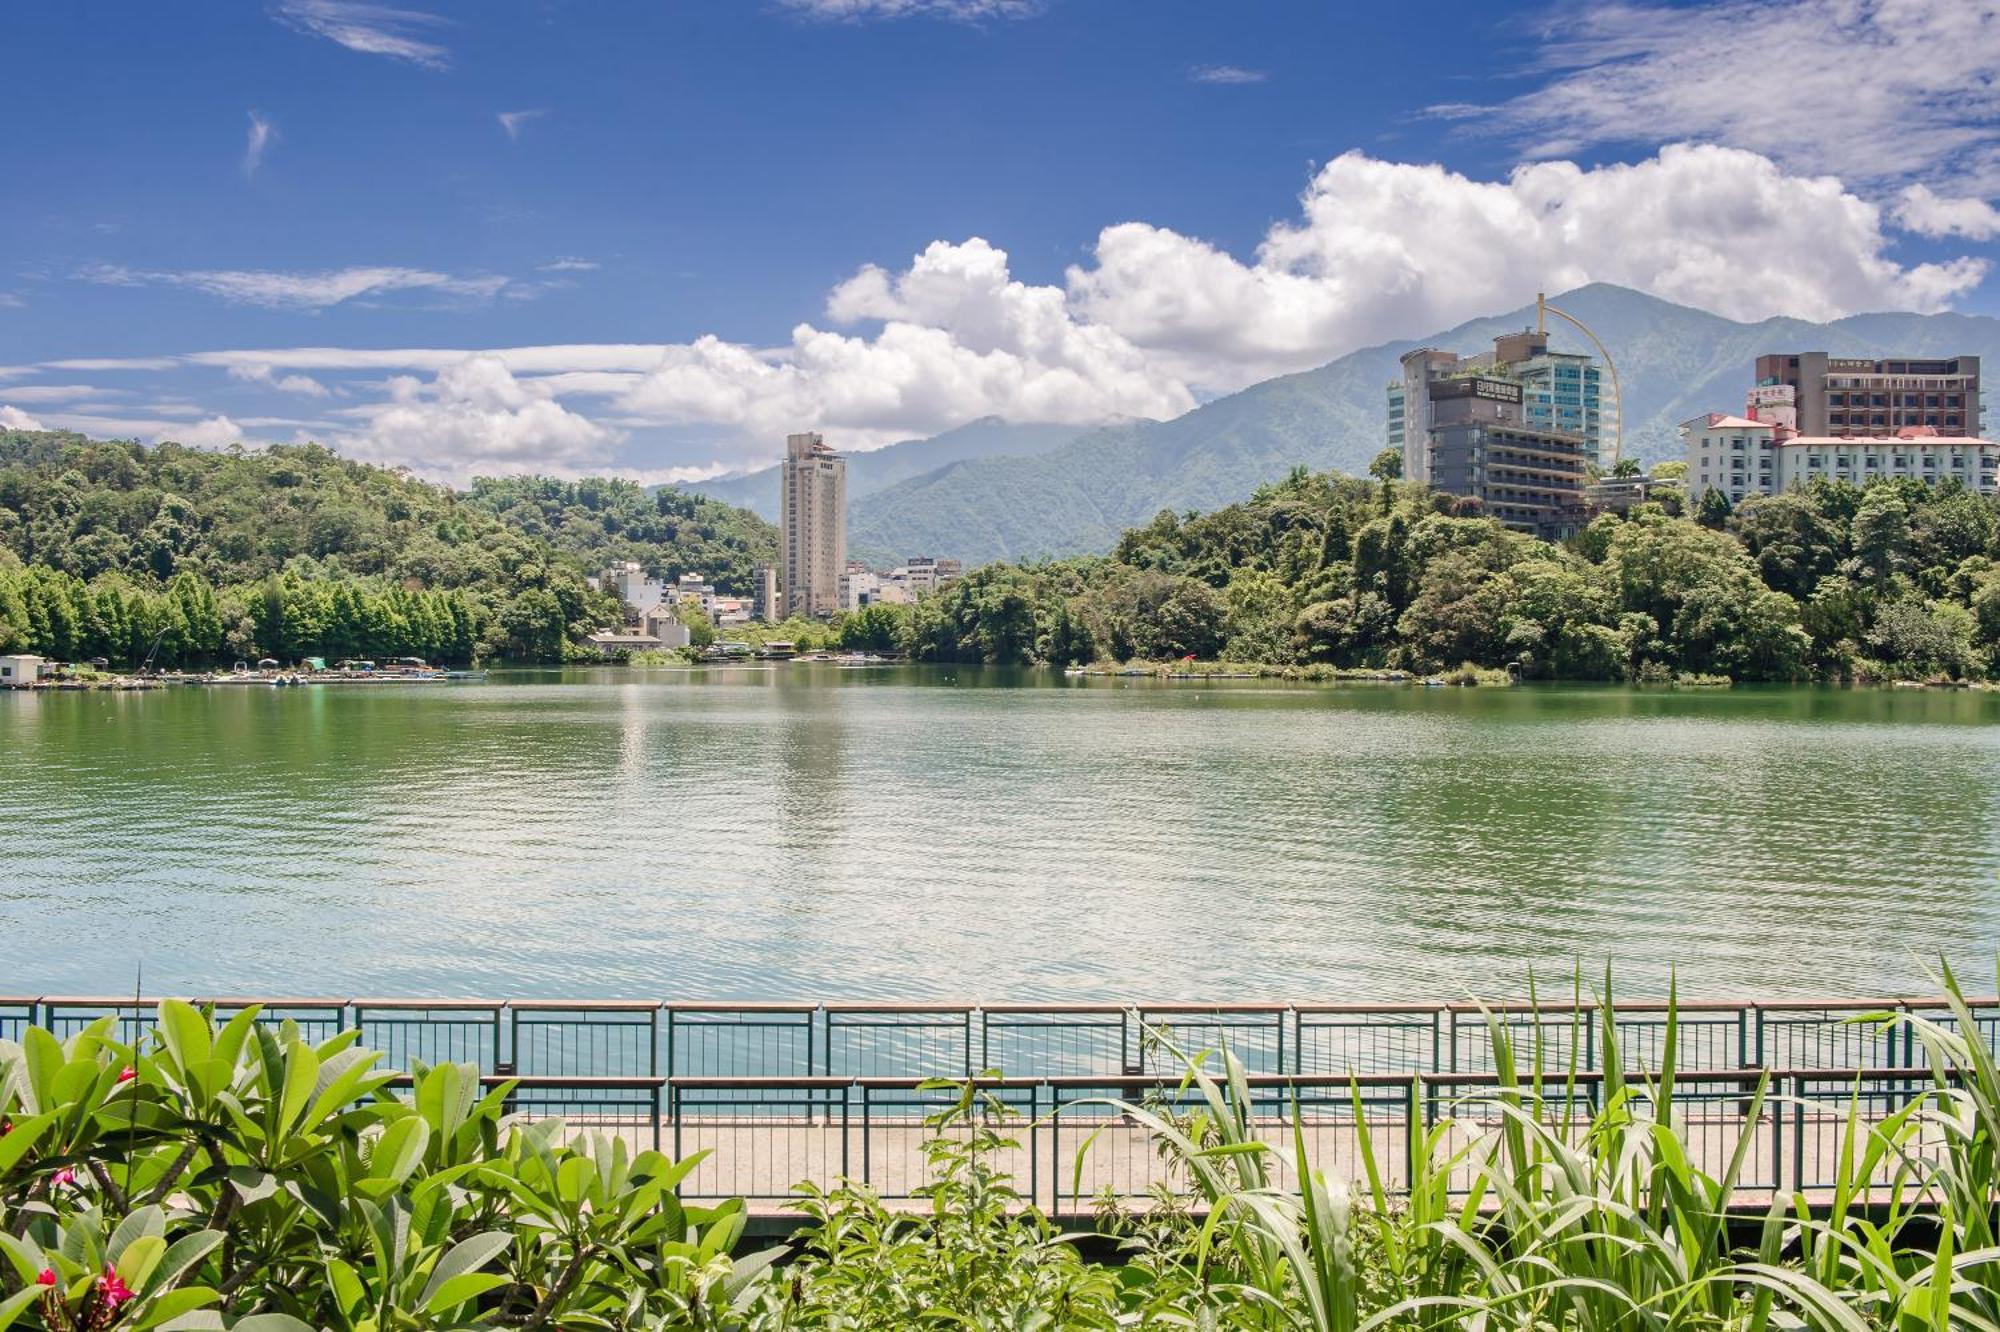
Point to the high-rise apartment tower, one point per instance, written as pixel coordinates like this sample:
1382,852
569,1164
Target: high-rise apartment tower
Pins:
812,525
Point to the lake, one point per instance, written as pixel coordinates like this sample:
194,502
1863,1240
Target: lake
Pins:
812,832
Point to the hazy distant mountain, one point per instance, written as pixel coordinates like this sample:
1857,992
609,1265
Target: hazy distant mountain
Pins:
988,437
1674,362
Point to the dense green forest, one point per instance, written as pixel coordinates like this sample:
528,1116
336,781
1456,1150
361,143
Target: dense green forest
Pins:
186,556
1833,582
601,519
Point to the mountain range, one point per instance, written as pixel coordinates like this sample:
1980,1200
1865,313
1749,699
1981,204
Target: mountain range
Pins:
993,490
878,469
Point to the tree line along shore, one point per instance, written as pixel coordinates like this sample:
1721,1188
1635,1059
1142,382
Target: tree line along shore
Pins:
170,556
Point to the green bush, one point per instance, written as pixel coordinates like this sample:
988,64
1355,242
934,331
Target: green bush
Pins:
241,1177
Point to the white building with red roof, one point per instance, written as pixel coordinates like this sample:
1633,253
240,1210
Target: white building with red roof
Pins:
1741,457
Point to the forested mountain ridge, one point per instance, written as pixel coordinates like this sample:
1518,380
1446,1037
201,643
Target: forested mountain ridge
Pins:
291,550
878,469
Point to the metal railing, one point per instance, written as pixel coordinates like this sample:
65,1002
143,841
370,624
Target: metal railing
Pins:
642,1038
777,1095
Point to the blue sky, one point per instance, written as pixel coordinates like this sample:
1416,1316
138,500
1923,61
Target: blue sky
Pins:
652,237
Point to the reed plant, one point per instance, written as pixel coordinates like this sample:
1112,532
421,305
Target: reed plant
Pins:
1560,1198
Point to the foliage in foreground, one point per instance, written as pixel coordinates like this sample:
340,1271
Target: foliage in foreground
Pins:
240,1177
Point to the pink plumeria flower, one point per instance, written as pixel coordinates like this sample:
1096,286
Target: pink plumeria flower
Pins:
126,1074
46,1277
113,1291
63,1178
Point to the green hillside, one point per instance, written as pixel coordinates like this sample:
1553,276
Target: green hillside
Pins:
107,545
1321,573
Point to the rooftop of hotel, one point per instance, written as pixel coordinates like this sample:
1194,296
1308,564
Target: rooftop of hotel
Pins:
1921,436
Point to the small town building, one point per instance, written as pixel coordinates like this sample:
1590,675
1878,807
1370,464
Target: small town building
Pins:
764,598
20,668
665,628
629,583
611,642
924,575
1618,494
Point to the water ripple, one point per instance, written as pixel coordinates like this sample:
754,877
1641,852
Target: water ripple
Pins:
972,834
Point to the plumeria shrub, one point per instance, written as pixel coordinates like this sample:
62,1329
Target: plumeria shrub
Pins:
238,1176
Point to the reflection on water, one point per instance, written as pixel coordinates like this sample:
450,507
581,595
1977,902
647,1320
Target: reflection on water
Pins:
807,832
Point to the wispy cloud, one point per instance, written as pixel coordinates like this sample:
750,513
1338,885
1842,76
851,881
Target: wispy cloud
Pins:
1878,93
1225,74
263,133
301,291
371,29
512,121
13,418
260,373
58,392
113,363
570,264
963,11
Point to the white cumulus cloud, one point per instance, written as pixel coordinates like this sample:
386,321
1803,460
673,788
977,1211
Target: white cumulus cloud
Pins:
13,418
1391,249
212,433
476,419
1156,318
1928,213
960,338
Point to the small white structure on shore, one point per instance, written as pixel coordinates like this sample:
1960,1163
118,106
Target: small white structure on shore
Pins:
20,669
665,626
629,583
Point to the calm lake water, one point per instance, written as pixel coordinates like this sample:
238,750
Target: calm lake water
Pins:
811,832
